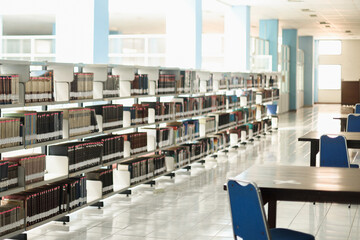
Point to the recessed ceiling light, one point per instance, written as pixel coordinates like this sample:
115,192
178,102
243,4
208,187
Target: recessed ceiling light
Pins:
313,15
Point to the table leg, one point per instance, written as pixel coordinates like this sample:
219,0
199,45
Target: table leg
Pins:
343,124
272,213
314,149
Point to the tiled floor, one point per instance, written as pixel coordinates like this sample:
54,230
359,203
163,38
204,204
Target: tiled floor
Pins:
195,206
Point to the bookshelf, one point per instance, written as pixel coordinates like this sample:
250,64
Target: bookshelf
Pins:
201,97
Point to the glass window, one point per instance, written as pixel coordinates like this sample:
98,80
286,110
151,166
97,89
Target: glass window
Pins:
329,76
329,47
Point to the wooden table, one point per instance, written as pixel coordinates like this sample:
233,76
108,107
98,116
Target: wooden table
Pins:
343,121
304,184
352,139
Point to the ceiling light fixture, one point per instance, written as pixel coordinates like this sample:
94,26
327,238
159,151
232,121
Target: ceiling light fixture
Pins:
295,0
305,10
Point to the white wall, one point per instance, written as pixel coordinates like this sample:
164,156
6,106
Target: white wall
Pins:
350,68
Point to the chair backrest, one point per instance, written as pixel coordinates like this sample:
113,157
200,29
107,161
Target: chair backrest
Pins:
247,211
357,108
353,123
333,151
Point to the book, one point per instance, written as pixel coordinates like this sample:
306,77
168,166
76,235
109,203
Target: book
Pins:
9,89
82,86
40,87
34,166
111,86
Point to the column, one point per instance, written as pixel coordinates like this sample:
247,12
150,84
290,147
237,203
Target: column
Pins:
82,29
237,38
269,30
290,38
316,76
306,43
184,33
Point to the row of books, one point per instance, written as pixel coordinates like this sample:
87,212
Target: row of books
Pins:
105,176
138,113
140,85
82,86
138,142
183,85
11,216
185,130
34,166
143,168
49,200
81,120
10,132
40,87
8,175
166,83
163,110
180,154
36,126
82,155
112,115
162,136
111,86
209,124
9,89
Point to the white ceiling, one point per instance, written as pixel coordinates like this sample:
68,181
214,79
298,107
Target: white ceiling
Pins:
148,16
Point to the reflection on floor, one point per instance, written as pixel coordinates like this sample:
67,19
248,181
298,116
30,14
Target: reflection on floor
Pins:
194,206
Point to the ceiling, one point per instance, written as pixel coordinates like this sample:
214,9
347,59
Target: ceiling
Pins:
149,16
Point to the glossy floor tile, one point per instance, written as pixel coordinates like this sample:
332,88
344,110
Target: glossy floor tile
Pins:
193,205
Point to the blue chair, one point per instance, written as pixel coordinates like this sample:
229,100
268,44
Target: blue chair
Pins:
353,123
357,108
248,216
334,152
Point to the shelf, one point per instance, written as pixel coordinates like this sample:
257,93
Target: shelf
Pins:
42,183
86,170
46,221
12,234
44,143
2,106
10,149
12,191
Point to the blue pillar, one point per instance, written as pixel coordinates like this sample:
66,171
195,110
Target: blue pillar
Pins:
269,30
237,38
306,43
82,31
184,33
290,38
101,31
316,76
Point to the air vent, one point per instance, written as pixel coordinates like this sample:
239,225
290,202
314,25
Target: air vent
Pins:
295,0
305,10
327,26
313,15
324,23
348,31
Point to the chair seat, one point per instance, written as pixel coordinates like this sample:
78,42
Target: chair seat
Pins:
287,234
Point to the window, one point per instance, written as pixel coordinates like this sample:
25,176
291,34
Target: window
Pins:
329,76
329,47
